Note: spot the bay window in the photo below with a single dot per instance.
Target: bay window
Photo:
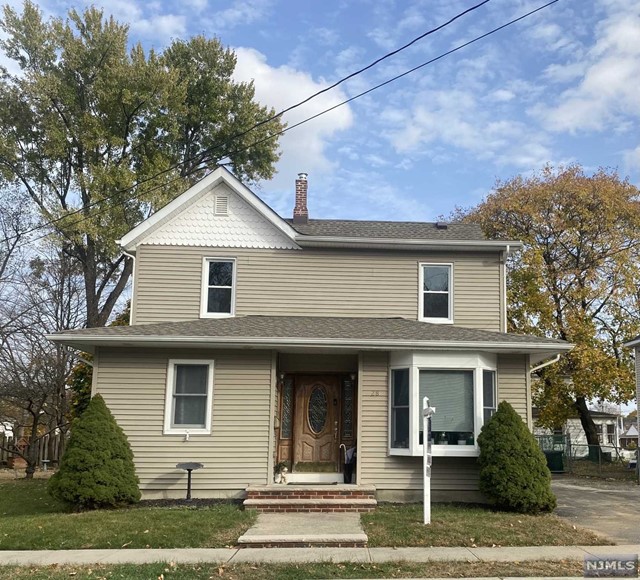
(462, 388)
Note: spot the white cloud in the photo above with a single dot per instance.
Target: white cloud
(632, 159)
(457, 121)
(240, 13)
(607, 92)
(303, 148)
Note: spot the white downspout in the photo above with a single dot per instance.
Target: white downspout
(554, 360)
(133, 283)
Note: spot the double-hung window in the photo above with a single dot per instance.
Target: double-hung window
(436, 293)
(218, 287)
(188, 401)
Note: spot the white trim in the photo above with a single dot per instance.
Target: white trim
(476, 362)
(204, 288)
(168, 401)
(138, 234)
(421, 292)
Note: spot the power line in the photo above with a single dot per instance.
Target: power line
(329, 109)
(202, 154)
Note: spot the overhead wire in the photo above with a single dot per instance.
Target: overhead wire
(304, 121)
(202, 155)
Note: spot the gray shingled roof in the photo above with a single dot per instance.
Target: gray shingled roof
(391, 330)
(389, 230)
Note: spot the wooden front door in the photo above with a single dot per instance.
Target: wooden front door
(316, 426)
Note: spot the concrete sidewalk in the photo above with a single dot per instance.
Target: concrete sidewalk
(302, 555)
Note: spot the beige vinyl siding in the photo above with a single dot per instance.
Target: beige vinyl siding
(513, 384)
(314, 282)
(390, 472)
(133, 384)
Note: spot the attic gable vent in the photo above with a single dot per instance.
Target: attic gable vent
(221, 205)
(441, 225)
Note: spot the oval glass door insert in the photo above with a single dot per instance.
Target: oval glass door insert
(317, 410)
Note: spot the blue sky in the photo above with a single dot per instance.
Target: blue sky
(559, 87)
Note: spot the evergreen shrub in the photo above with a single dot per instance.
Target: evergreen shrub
(513, 468)
(97, 469)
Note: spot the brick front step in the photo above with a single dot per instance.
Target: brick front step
(311, 498)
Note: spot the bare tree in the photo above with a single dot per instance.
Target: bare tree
(34, 373)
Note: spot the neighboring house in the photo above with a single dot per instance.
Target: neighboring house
(257, 340)
(608, 426)
(635, 344)
(629, 436)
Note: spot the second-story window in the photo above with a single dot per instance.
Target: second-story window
(436, 293)
(218, 287)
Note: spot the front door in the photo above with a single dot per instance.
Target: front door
(316, 424)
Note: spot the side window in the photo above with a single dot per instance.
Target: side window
(218, 287)
(436, 304)
(400, 409)
(189, 395)
(489, 396)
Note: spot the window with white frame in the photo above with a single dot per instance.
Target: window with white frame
(400, 408)
(489, 394)
(451, 392)
(436, 290)
(462, 388)
(218, 287)
(188, 401)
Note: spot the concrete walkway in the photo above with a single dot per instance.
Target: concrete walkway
(301, 555)
(323, 529)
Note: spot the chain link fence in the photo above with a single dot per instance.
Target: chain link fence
(601, 461)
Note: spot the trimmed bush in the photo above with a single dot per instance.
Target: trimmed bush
(97, 468)
(513, 469)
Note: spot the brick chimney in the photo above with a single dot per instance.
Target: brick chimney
(300, 212)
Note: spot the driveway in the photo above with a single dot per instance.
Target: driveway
(609, 508)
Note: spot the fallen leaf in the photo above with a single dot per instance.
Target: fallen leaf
(127, 544)
(221, 571)
(146, 532)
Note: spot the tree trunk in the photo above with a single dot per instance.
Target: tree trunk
(587, 421)
(32, 452)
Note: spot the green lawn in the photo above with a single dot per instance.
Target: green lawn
(31, 520)
(297, 572)
(457, 525)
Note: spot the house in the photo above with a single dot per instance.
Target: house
(629, 437)
(256, 340)
(635, 345)
(608, 426)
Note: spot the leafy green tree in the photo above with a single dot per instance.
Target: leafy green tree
(97, 468)
(513, 469)
(576, 279)
(99, 135)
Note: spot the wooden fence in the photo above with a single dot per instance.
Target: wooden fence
(48, 449)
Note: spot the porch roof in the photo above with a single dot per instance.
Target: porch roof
(310, 332)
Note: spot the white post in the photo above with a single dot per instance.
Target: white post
(427, 412)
